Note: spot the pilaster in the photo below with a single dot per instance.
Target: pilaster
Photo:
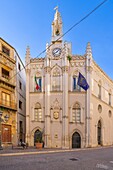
(47, 108)
(65, 136)
(88, 94)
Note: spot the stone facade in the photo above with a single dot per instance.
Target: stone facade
(10, 93)
(66, 115)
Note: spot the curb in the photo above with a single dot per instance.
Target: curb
(50, 151)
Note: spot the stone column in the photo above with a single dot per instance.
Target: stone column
(88, 107)
(65, 133)
(47, 108)
(88, 94)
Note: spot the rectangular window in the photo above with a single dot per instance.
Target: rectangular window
(109, 99)
(6, 99)
(20, 85)
(76, 87)
(99, 94)
(56, 83)
(21, 126)
(19, 67)
(38, 114)
(76, 115)
(74, 83)
(20, 105)
(5, 50)
(5, 73)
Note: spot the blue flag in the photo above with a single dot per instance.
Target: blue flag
(82, 82)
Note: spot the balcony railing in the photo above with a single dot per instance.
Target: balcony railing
(8, 104)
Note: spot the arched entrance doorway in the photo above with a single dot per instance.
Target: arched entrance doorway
(37, 134)
(76, 140)
(99, 133)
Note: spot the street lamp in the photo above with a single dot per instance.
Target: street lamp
(1, 130)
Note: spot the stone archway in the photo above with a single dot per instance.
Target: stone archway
(37, 134)
(99, 133)
(76, 140)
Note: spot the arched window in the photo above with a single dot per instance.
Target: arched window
(76, 87)
(56, 80)
(37, 112)
(109, 94)
(99, 90)
(76, 113)
(110, 113)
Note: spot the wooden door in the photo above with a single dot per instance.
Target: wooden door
(6, 133)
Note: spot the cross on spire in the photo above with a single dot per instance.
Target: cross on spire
(56, 8)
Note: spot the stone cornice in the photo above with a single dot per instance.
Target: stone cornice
(106, 76)
(101, 101)
(77, 92)
(7, 58)
(37, 93)
(78, 57)
(77, 64)
(35, 60)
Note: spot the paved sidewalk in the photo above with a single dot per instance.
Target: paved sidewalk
(32, 150)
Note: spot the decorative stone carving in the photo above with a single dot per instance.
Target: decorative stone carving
(65, 69)
(56, 109)
(56, 115)
(47, 70)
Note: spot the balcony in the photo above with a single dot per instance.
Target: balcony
(6, 84)
(8, 104)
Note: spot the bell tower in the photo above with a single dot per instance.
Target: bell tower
(57, 27)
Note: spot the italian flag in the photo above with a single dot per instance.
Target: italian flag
(37, 86)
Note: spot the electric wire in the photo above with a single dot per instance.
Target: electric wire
(77, 23)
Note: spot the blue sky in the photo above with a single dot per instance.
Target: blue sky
(28, 22)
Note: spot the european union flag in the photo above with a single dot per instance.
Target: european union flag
(82, 82)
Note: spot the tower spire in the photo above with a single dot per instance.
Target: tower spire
(57, 26)
(89, 50)
(27, 57)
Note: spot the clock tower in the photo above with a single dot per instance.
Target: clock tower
(57, 27)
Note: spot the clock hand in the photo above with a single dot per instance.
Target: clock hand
(56, 51)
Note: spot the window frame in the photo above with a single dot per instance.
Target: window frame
(76, 87)
(5, 73)
(56, 80)
(20, 104)
(5, 50)
(37, 113)
(76, 113)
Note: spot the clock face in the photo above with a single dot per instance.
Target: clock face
(56, 52)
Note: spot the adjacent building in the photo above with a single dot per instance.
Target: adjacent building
(12, 92)
(66, 115)
(21, 98)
